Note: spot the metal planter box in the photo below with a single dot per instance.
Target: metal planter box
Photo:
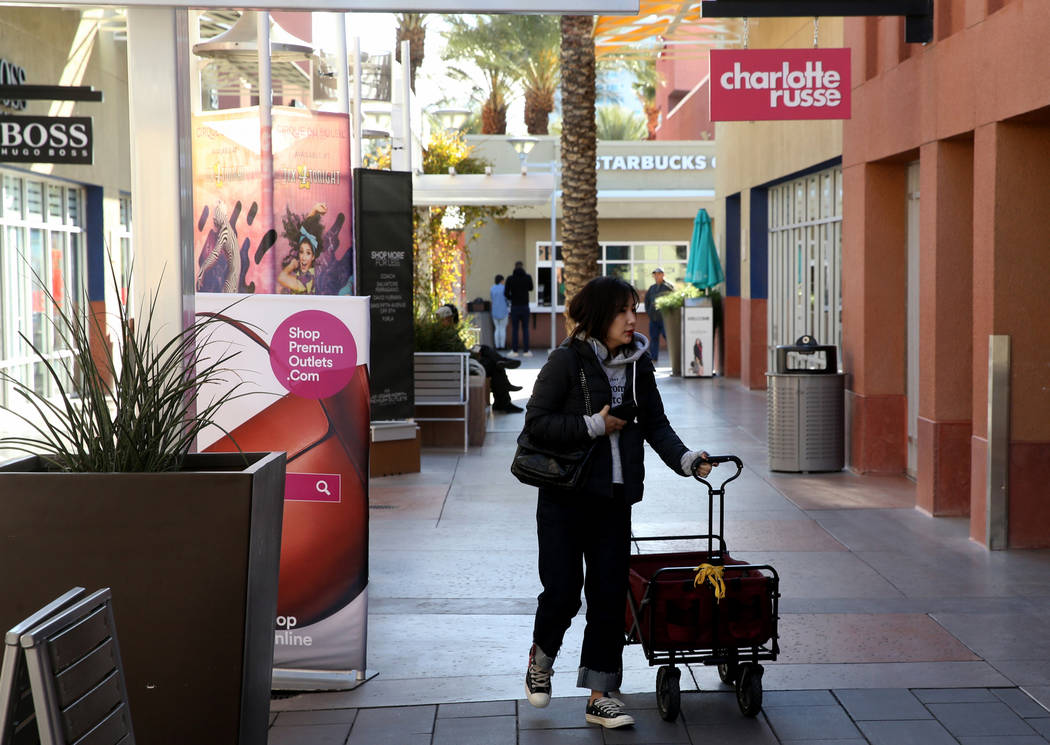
(192, 558)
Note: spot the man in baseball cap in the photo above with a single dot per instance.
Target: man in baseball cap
(656, 319)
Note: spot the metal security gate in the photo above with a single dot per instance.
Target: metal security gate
(805, 260)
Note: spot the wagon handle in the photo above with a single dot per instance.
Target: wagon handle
(715, 460)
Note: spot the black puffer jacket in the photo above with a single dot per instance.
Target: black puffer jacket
(555, 416)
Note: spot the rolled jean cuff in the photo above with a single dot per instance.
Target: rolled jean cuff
(543, 662)
(599, 681)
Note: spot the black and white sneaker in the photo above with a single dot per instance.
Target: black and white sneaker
(608, 712)
(537, 682)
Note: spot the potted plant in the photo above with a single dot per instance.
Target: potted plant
(110, 494)
(670, 305)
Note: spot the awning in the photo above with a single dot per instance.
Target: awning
(673, 27)
(478, 189)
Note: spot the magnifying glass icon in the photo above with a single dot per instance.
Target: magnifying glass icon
(322, 487)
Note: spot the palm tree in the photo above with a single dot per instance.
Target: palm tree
(494, 109)
(619, 123)
(646, 82)
(487, 44)
(533, 61)
(578, 153)
(411, 27)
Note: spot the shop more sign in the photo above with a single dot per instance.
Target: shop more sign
(779, 84)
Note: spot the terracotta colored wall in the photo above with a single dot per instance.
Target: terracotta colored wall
(733, 339)
(945, 331)
(753, 324)
(1011, 263)
(874, 294)
(690, 120)
(979, 94)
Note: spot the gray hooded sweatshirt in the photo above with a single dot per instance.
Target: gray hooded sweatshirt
(615, 367)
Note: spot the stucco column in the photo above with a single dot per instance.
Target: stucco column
(945, 330)
(161, 178)
(874, 324)
(1011, 264)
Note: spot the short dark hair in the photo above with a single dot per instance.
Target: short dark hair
(519, 265)
(593, 308)
(499, 278)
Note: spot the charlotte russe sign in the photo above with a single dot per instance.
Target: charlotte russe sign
(779, 84)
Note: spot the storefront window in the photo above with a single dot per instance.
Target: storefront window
(41, 251)
(805, 255)
(124, 237)
(633, 262)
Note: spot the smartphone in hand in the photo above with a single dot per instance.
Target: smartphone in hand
(625, 411)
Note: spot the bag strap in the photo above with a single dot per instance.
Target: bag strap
(586, 391)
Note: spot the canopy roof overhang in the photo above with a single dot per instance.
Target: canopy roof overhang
(672, 27)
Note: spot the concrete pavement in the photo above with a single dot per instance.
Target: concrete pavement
(895, 627)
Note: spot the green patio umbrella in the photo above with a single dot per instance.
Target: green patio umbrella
(704, 269)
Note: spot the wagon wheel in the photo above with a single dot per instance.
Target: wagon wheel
(668, 693)
(728, 672)
(749, 689)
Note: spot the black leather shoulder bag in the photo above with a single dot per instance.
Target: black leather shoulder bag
(536, 465)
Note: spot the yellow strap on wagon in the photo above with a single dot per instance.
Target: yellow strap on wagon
(712, 574)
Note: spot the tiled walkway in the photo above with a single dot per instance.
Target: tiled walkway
(895, 627)
(881, 716)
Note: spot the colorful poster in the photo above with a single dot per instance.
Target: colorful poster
(779, 84)
(304, 363)
(698, 332)
(232, 219)
(291, 236)
(313, 203)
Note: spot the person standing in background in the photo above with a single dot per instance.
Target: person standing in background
(499, 313)
(656, 319)
(517, 289)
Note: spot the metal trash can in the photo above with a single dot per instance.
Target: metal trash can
(482, 312)
(806, 408)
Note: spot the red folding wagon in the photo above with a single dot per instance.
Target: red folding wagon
(678, 620)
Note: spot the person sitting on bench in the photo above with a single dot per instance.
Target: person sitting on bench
(494, 363)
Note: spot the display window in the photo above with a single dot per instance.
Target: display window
(633, 262)
(41, 251)
(805, 260)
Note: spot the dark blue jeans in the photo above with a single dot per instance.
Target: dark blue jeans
(573, 529)
(656, 330)
(519, 314)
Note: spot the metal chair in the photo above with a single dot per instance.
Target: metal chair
(17, 717)
(76, 675)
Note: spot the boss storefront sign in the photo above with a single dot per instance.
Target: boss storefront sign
(46, 139)
(779, 84)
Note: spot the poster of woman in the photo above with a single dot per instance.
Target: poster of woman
(698, 323)
(291, 236)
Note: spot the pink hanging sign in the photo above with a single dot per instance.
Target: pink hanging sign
(779, 84)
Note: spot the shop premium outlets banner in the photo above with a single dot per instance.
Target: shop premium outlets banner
(779, 84)
(303, 364)
(282, 249)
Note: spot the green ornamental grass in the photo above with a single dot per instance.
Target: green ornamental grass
(137, 410)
